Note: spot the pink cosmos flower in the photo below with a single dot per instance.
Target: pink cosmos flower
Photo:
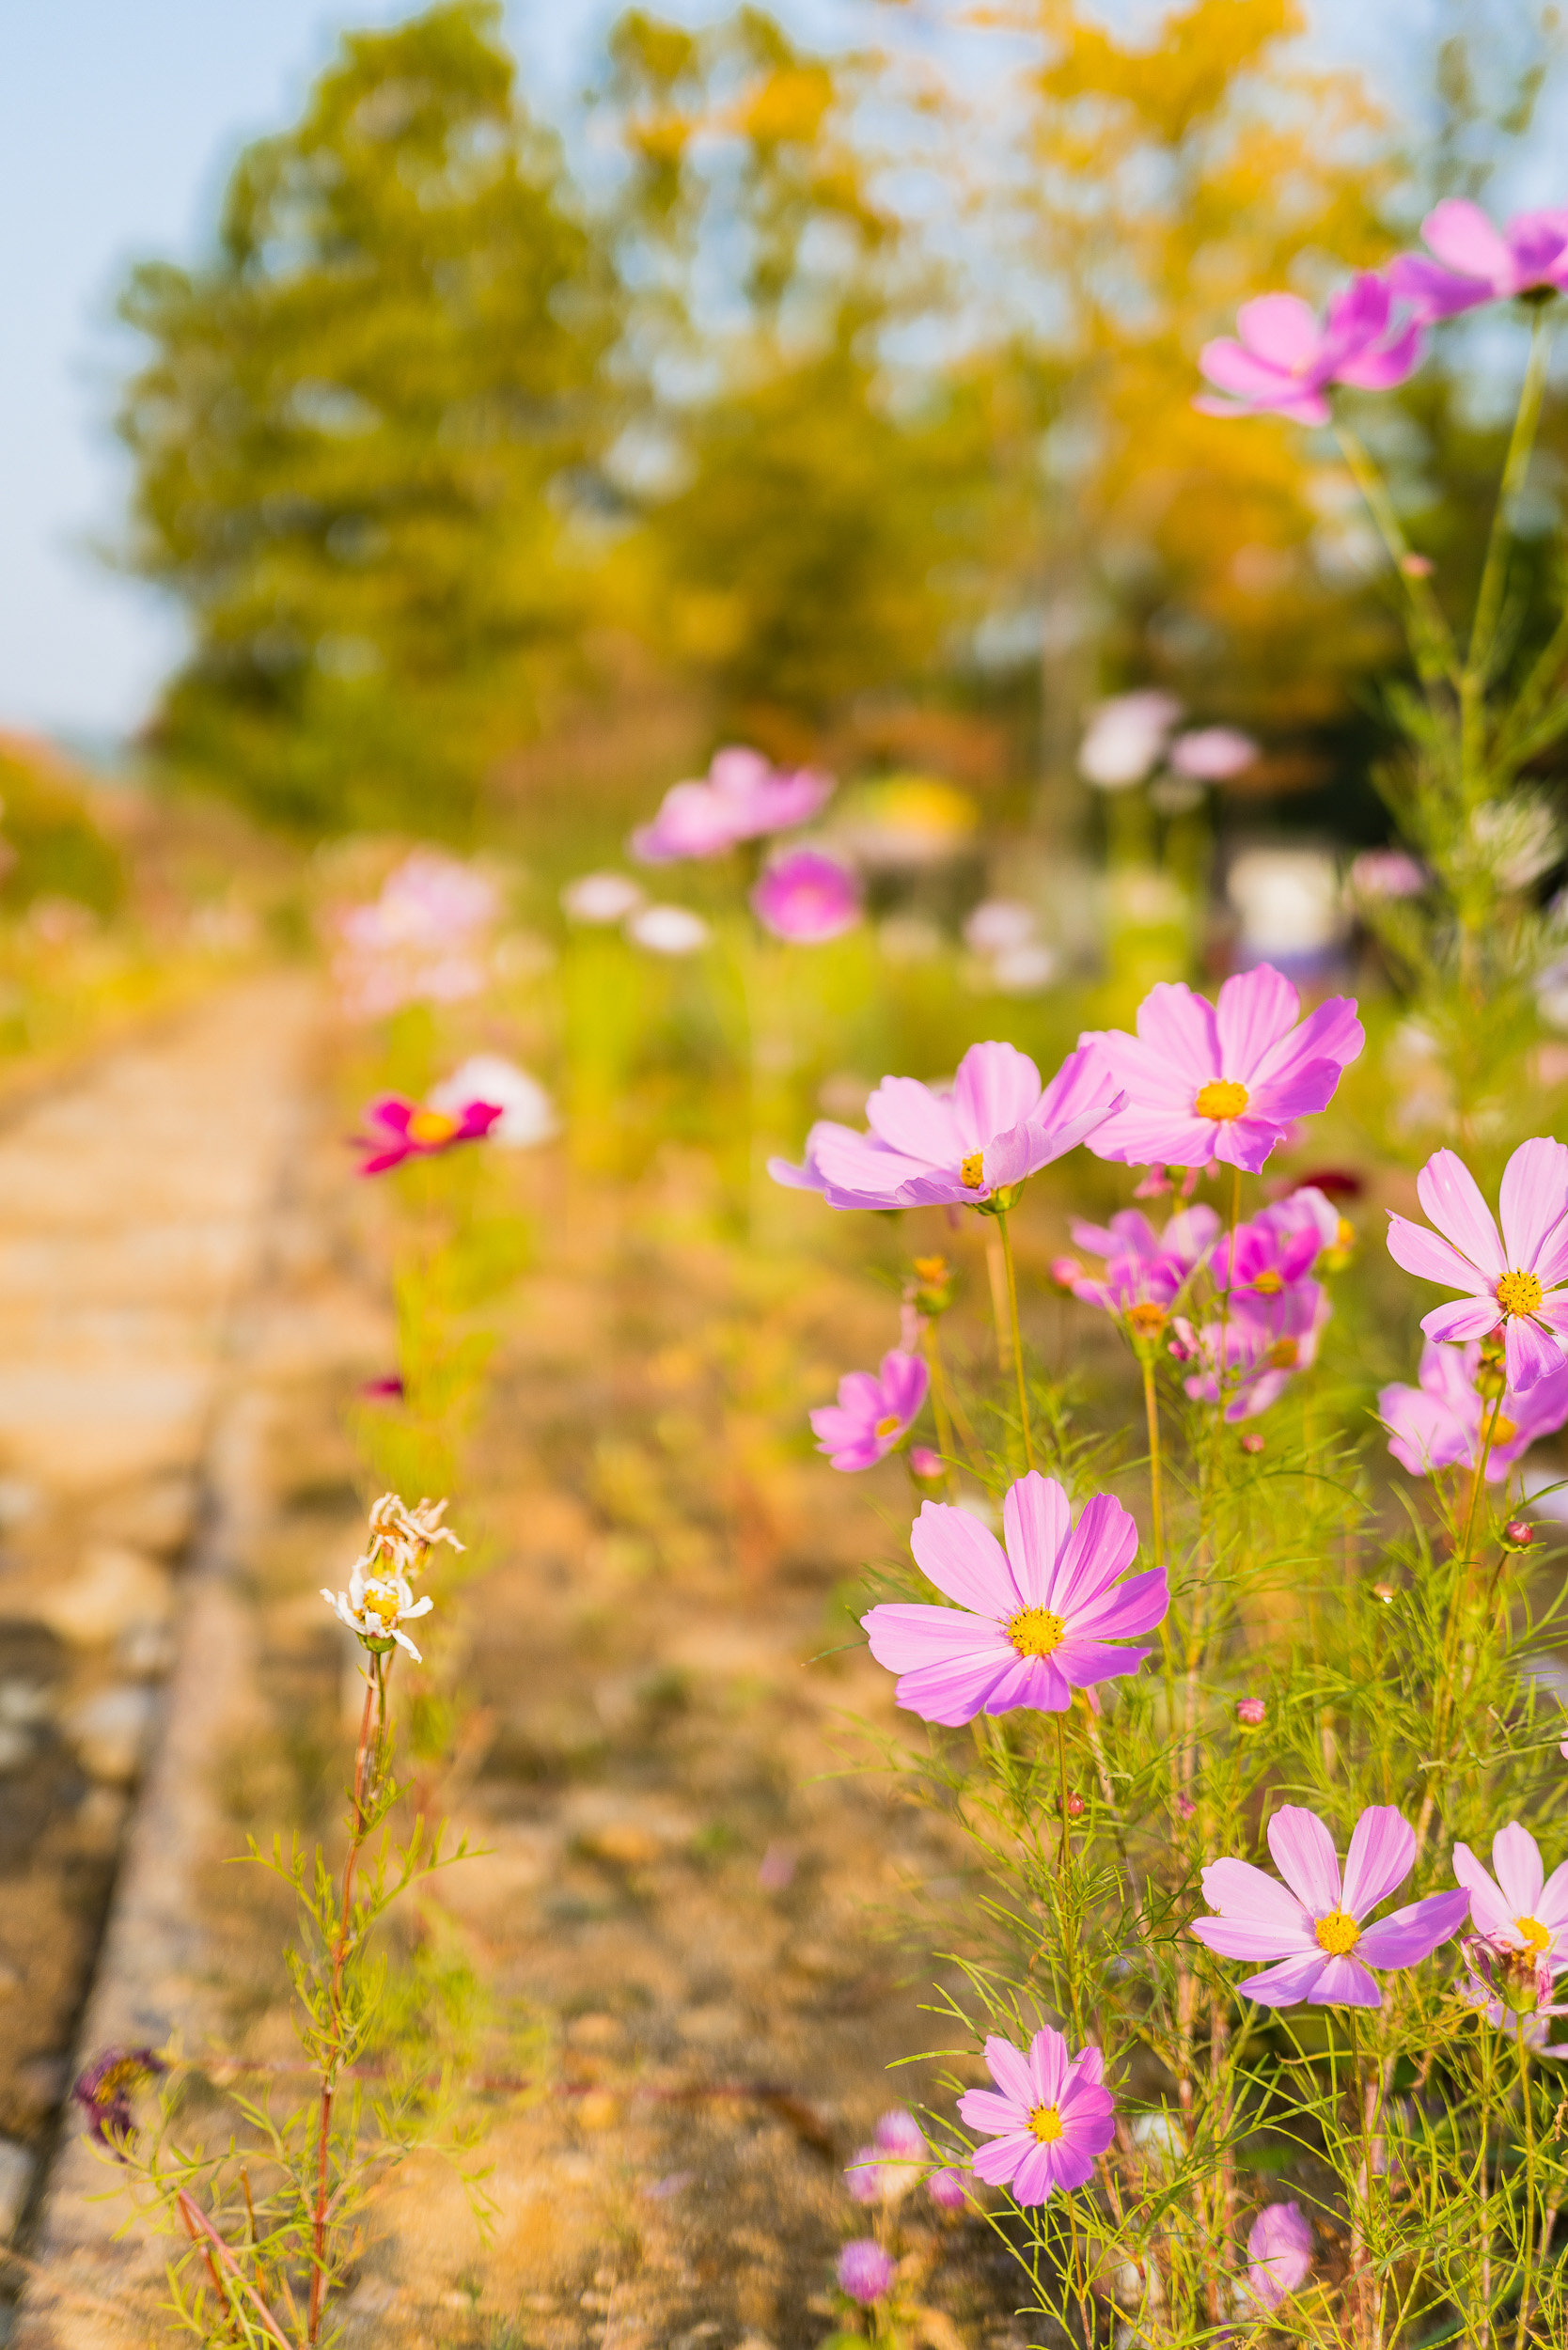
(1047, 2119)
(930, 1147)
(1514, 1995)
(865, 2271)
(1125, 738)
(1278, 2253)
(1477, 263)
(872, 1414)
(805, 897)
(423, 940)
(1213, 754)
(928, 1466)
(1439, 1424)
(1284, 361)
(1276, 1248)
(1388, 873)
(1145, 1270)
(892, 2163)
(1262, 1345)
(1517, 1276)
(401, 1129)
(947, 2190)
(1516, 1907)
(1313, 1922)
(1220, 1081)
(741, 798)
(1032, 1623)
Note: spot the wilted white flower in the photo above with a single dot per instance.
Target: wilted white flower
(601, 896)
(1125, 738)
(376, 1606)
(527, 1114)
(401, 1537)
(1213, 754)
(666, 930)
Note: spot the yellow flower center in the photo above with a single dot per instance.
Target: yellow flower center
(1344, 1236)
(1503, 1431)
(385, 1606)
(1221, 1097)
(971, 1172)
(889, 1426)
(1283, 1354)
(1336, 1934)
(1518, 1292)
(1046, 2122)
(1035, 1631)
(1533, 1934)
(1143, 1321)
(1269, 1283)
(431, 1127)
(932, 1268)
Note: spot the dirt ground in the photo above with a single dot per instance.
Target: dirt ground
(683, 1914)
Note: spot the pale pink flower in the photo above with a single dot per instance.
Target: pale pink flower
(931, 1147)
(807, 898)
(1477, 263)
(742, 797)
(1515, 1906)
(894, 2162)
(1285, 361)
(424, 940)
(872, 1413)
(1213, 754)
(1517, 1276)
(1220, 1081)
(1145, 1270)
(1279, 2254)
(1032, 1623)
(1251, 1356)
(1126, 738)
(1047, 2119)
(1313, 1922)
(1439, 1424)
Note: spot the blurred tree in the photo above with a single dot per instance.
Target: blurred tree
(359, 435)
(817, 510)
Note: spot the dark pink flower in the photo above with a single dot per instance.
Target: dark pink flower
(872, 1414)
(104, 2091)
(931, 1147)
(1278, 2253)
(1478, 262)
(1312, 1924)
(1251, 1712)
(1439, 1424)
(1220, 1081)
(1517, 1276)
(1047, 2119)
(742, 797)
(1284, 361)
(389, 1388)
(1032, 1623)
(1144, 1269)
(1276, 1248)
(947, 2190)
(865, 2271)
(1260, 1349)
(807, 898)
(401, 1129)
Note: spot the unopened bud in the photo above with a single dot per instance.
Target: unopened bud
(1251, 1712)
(1385, 1591)
(1075, 1806)
(1416, 566)
(926, 1464)
(1252, 1442)
(1518, 1534)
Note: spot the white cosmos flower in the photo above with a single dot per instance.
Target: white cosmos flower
(527, 1114)
(376, 1606)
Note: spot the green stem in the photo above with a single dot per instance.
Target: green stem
(1516, 465)
(1431, 637)
(1152, 1414)
(1017, 1339)
(1529, 2182)
(1062, 1764)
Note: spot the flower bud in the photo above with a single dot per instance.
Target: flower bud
(1518, 1534)
(1251, 1712)
(1075, 1806)
(926, 1464)
(1252, 1442)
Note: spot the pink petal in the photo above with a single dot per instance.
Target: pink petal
(1516, 1860)
(1256, 1009)
(1380, 370)
(1072, 2166)
(1552, 1909)
(1451, 1198)
(1124, 1608)
(1528, 1352)
(1410, 1934)
(997, 1088)
(1488, 1909)
(951, 1693)
(999, 2162)
(1088, 2065)
(904, 1380)
(1101, 1546)
(905, 1636)
(1303, 1855)
(1343, 1982)
(1083, 1662)
(965, 1561)
(857, 1169)
(1035, 2176)
(1236, 370)
(1381, 1854)
(983, 2109)
(1009, 2067)
(1465, 240)
(1282, 330)
(1431, 1257)
(1282, 1985)
(1179, 1030)
(1467, 1318)
(914, 1121)
(1035, 1524)
(1257, 1915)
(1430, 291)
(1533, 1199)
(1034, 1683)
(1331, 1033)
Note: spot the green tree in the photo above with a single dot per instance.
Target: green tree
(361, 438)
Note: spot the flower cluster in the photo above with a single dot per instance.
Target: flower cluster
(742, 797)
(380, 1598)
(424, 940)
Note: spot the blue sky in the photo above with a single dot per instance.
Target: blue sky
(119, 120)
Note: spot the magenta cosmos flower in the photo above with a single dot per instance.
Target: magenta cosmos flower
(742, 797)
(807, 897)
(1220, 1081)
(1284, 360)
(1032, 1623)
(1047, 2117)
(931, 1148)
(865, 2271)
(1261, 1344)
(1477, 263)
(1517, 1276)
(1279, 2254)
(1438, 1425)
(1312, 1924)
(1515, 1906)
(1145, 1270)
(872, 1413)
(401, 1129)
